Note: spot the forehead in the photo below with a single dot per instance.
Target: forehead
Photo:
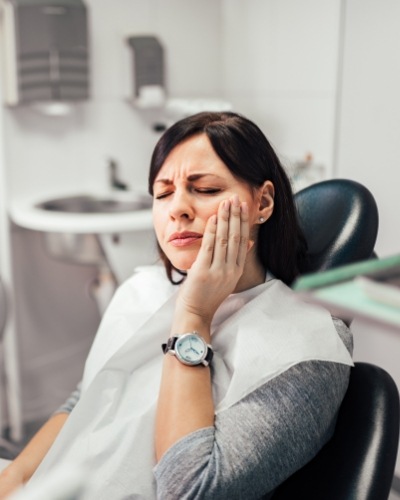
(194, 155)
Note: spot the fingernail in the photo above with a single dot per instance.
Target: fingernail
(226, 204)
(236, 200)
(245, 208)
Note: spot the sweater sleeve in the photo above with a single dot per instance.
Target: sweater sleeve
(71, 402)
(261, 440)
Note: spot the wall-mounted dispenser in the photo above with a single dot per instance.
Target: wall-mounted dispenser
(148, 71)
(46, 56)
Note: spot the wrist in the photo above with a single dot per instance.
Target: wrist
(191, 323)
(198, 315)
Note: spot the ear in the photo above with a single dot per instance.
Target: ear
(266, 203)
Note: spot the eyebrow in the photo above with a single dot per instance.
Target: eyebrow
(190, 178)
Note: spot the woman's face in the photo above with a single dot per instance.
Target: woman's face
(188, 189)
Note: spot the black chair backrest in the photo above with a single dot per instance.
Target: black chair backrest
(339, 218)
(358, 462)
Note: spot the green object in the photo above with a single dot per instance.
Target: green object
(345, 296)
(371, 268)
(350, 298)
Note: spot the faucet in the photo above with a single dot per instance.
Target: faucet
(115, 182)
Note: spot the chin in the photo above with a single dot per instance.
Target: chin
(183, 263)
(182, 266)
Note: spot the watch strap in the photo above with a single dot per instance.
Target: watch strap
(169, 346)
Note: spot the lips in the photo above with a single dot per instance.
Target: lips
(184, 239)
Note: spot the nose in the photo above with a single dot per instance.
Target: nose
(181, 206)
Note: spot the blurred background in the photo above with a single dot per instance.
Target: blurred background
(321, 79)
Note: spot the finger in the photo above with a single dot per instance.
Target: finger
(205, 255)
(234, 231)
(244, 234)
(221, 237)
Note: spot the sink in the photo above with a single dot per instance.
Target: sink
(102, 228)
(84, 213)
(89, 204)
(111, 230)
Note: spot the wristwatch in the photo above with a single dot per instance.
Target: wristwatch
(189, 348)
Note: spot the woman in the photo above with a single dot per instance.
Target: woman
(249, 380)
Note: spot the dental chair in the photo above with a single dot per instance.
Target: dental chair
(358, 462)
(340, 220)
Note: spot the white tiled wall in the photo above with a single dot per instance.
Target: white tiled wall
(369, 123)
(280, 68)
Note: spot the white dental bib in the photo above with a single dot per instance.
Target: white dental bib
(256, 335)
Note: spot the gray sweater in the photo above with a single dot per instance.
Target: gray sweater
(261, 440)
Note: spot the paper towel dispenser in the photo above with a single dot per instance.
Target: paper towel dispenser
(148, 71)
(46, 54)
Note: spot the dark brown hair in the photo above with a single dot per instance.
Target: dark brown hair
(247, 153)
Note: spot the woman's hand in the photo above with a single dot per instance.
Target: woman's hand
(219, 264)
(10, 479)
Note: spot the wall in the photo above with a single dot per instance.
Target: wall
(369, 122)
(280, 67)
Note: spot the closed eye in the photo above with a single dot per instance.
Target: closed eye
(208, 190)
(162, 195)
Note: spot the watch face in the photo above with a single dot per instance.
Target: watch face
(190, 349)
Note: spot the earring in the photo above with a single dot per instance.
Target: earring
(261, 219)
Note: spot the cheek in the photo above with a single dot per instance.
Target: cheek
(253, 210)
(159, 222)
(208, 211)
